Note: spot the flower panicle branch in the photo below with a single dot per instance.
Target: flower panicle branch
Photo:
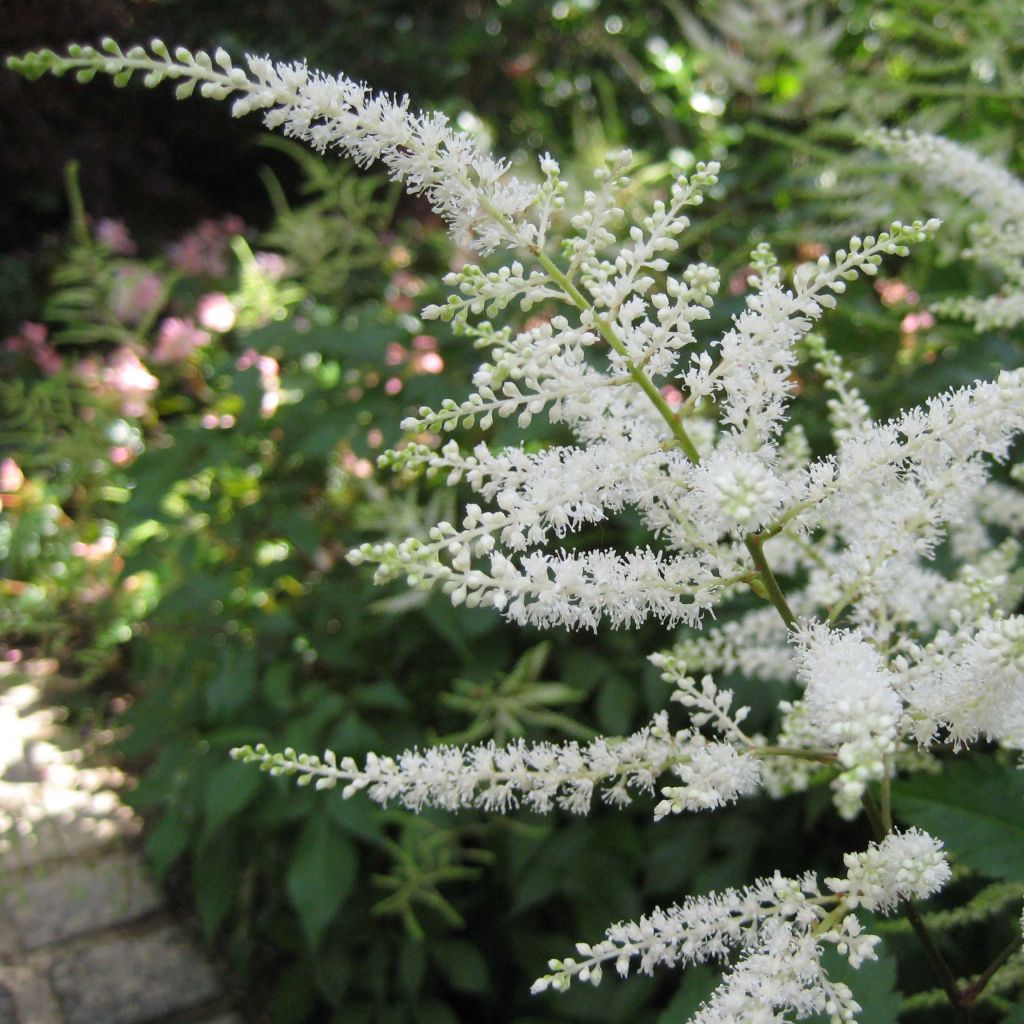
(538, 776)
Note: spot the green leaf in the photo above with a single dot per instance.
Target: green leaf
(320, 876)
(231, 788)
(616, 704)
(166, 841)
(873, 985)
(696, 984)
(976, 807)
(215, 880)
(463, 965)
(235, 682)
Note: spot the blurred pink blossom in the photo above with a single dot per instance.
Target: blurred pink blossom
(402, 290)
(114, 235)
(392, 386)
(919, 321)
(211, 421)
(424, 343)
(673, 396)
(216, 312)
(177, 339)
(31, 341)
(126, 375)
(97, 551)
(135, 295)
(272, 265)
(738, 283)
(427, 362)
(361, 468)
(203, 251)
(122, 454)
(395, 354)
(11, 476)
(892, 290)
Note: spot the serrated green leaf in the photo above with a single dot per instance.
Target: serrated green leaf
(976, 807)
(321, 875)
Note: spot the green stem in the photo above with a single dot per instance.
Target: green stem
(945, 975)
(825, 756)
(970, 994)
(887, 795)
(639, 377)
(79, 222)
(913, 916)
(772, 590)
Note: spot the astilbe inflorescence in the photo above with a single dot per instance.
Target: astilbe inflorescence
(693, 436)
(992, 198)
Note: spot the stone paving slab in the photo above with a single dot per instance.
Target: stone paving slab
(76, 897)
(132, 979)
(31, 999)
(84, 935)
(8, 1011)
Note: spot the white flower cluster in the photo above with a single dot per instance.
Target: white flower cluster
(852, 706)
(780, 926)
(540, 776)
(905, 865)
(995, 199)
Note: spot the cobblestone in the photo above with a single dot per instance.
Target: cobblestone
(69, 899)
(85, 937)
(133, 979)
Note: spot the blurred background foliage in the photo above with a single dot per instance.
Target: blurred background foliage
(212, 334)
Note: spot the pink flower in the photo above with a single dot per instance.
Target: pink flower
(98, 551)
(126, 375)
(136, 294)
(914, 322)
(892, 291)
(427, 362)
(32, 342)
(122, 455)
(271, 265)
(177, 339)
(216, 312)
(11, 476)
(114, 235)
(202, 252)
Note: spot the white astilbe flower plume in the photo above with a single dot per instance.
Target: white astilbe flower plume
(905, 865)
(852, 702)
(994, 197)
(976, 687)
(539, 776)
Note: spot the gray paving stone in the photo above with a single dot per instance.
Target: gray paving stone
(10, 948)
(132, 980)
(8, 1014)
(73, 898)
(27, 997)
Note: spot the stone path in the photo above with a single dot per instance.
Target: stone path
(85, 935)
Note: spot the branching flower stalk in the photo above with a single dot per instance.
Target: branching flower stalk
(693, 435)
